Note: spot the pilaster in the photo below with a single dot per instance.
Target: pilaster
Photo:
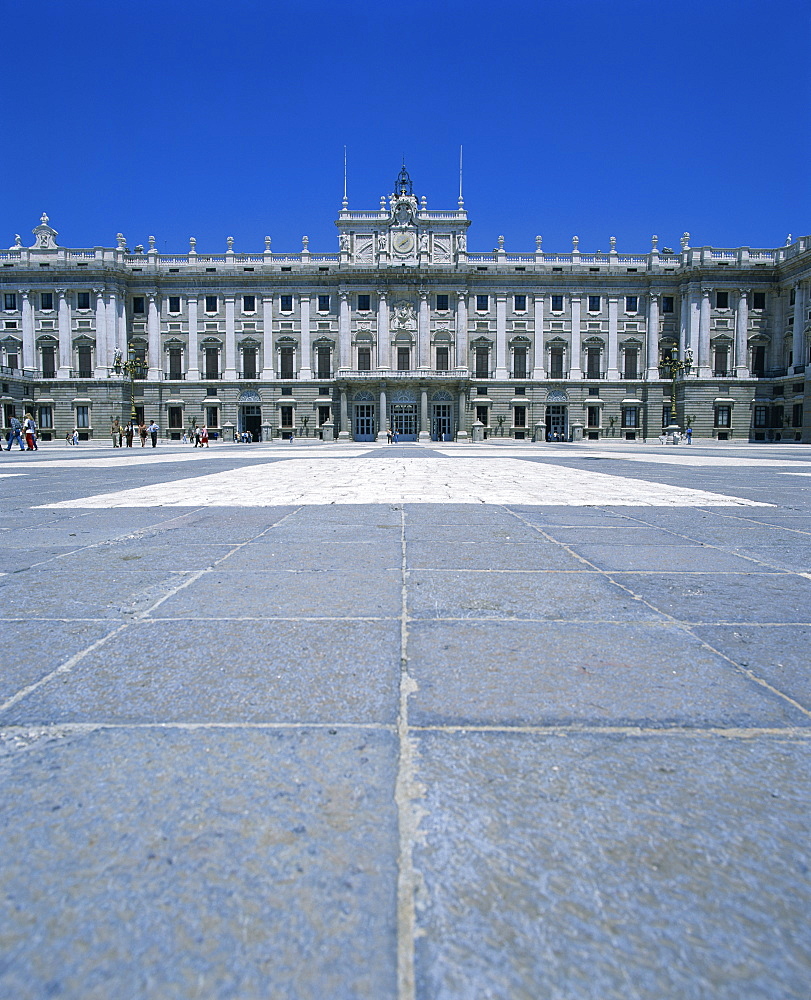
(576, 305)
(741, 334)
(652, 338)
(230, 370)
(306, 369)
(65, 346)
(501, 335)
(613, 339)
(100, 369)
(193, 371)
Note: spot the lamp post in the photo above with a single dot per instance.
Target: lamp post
(132, 369)
(675, 368)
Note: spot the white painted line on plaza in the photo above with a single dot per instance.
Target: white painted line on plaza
(147, 456)
(393, 479)
(672, 457)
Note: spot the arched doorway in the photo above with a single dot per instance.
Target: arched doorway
(442, 416)
(249, 414)
(364, 417)
(404, 415)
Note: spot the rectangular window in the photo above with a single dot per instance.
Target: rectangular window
(249, 362)
(286, 359)
(287, 416)
(364, 303)
(722, 300)
(364, 359)
(593, 362)
(667, 303)
(323, 303)
(592, 416)
(85, 362)
(175, 417)
(82, 416)
(249, 303)
(556, 362)
(83, 300)
(286, 303)
(796, 415)
(482, 362)
(46, 417)
(174, 303)
(761, 416)
(594, 303)
(758, 300)
(46, 301)
(323, 415)
(139, 305)
(442, 303)
(520, 303)
(792, 296)
(482, 303)
(323, 359)
(10, 301)
(211, 303)
(720, 362)
(631, 360)
(631, 303)
(442, 359)
(519, 416)
(482, 415)
(403, 359)
(175, 363)
(519, 362)
(557, 303)
(666, 416)
(48, 362)
(213, 416)
(722, 416)
(212, 362)
(630, 416)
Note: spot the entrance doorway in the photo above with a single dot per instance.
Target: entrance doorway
(364, 421)
(250, 419)
(404, 420)
(441, 422)
(556, 423)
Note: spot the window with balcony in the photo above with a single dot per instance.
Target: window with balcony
(556, 362)
(212, 362)
(48, 361)
(403, 359)
(249, 362)
(323, 359)
(175, 363)
(442, 358)
(85, 358)
(482, 362)
(720, 367)
(593, 362)
(519, 362)
(364, 359)
(286, 362)
(631, 363)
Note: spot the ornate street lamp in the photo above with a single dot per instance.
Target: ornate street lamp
(675, 368)
(132, 369)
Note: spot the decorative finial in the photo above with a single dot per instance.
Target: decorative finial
(192, 244)
(538, 243)
(654, 244)
(151, 244)
(685, 242)
(383, 203)
(267, 244)
(122, 243)
(575, 244)
(230, 241)
(612, 241)
(501, 244)
(305, 243)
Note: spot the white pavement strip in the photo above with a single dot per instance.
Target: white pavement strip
(312, 482)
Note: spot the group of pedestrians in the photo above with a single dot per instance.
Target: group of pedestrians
(126, 434)
(25, 434)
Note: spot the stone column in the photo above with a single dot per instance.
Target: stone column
(694, 324)
(381, 416)
(704, 369)
(153, 339)
(268, 357)
(461, 429)
(425, 431)
(306, 370)
(344, 334)
(652, 338)
(462, 359)
(575, 358)
(28, 360)
(193, 364)
(798, 351)
(423, 333)
(613, 371)
(112, 325)
(343, 434)
(742, 334)
(382, 329)
(684, 324)
(230, 370)
(502, 371)
(122, 339)
(538, 370)
(65, 346)
(100, 370)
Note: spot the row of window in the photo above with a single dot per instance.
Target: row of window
(364, 302)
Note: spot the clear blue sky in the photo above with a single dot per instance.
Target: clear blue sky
(215, 119)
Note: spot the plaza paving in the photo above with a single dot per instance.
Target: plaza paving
(406, 722)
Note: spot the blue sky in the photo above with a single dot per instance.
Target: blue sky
(597, 119)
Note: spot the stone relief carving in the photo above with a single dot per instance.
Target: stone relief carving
(403, 317)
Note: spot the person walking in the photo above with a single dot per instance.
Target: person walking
(30, 431)
(129, 433)
(142, 434)
(15, 434)
(689, 433)
(76, 436)
(204, 437)
(115, 432)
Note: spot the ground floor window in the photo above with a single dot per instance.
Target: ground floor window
(176, 416)
(630, 416)
(212, 416)
(797, 415)
(481, 415)
(723, 416)
(287, 416)
(520, 416)
(82, 416)
(592, 416)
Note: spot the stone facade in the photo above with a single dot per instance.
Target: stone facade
(405, 328)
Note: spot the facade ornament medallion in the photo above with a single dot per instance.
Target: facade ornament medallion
(404, 319)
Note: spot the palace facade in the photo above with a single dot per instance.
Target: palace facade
(406, 328)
